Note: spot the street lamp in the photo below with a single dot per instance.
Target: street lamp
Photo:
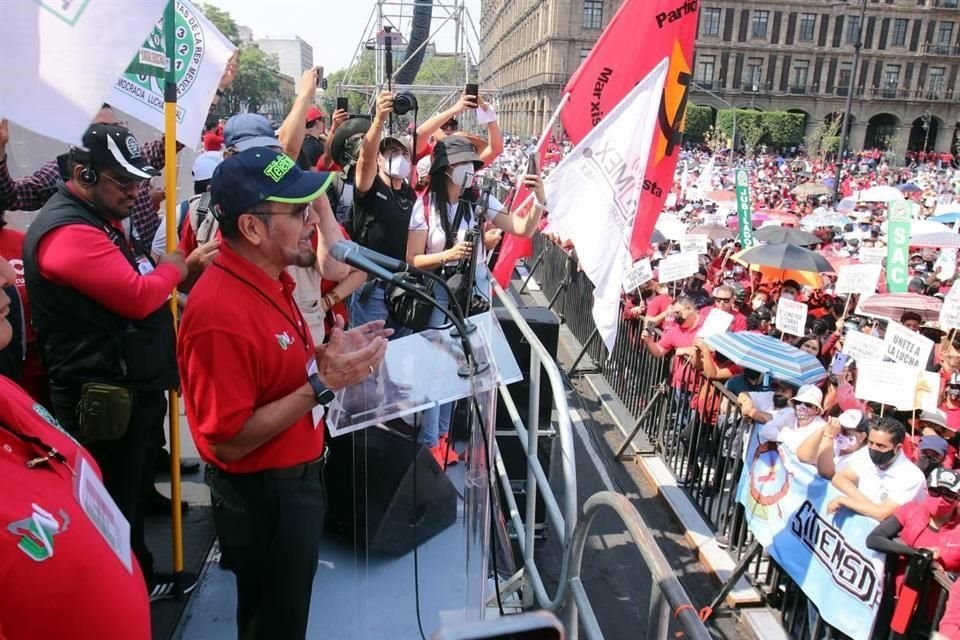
(926, 129)
(733, 143)
(845, 129)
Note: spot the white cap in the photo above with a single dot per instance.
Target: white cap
(850, 419)
(423, 166)
(809, 393)
(205, 163)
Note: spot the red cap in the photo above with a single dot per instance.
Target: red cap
(314, 114)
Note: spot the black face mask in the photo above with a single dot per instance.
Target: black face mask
(780, 402)
(926, 465)
(882, 458)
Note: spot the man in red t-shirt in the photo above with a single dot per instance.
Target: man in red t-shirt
(254, 386)
(58, 574)
(723, 300)
(678, 338)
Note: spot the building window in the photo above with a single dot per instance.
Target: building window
(891, 80)
(752, 74)
(843, 80)
(808, 22)
(945, 33)
(592, 14)
(935, 83)
(706, 67)
(710, 22)
(853, 29)
(801, 70)
(899, 38)
(584, 53)
(760, 19)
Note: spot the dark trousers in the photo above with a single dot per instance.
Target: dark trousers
(127, 463)
(269, 530)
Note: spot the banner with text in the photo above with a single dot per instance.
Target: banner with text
(791, 317)
(744, 209)
(201, 57)
(858, 278)
(898, 245)
(785, 502)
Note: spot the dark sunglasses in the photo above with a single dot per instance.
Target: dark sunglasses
(808, 405)
(723, 299)
(939, 492)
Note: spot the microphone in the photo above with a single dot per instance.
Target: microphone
(484, 202)
(341, 249)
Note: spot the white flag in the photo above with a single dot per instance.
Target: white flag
(593, 194)
(202, 53)
(61, 57)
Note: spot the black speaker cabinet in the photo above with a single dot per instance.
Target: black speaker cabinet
(370, 491)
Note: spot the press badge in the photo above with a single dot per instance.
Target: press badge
(103, 512)
(318, 411)
(144, 265)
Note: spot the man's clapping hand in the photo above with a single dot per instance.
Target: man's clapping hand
(350, 356)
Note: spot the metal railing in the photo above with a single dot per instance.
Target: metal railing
(570, 600)
(694, 425)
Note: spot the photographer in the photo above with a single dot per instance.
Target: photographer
(436, 241)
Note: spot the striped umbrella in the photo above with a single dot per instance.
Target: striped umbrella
(769, 355)
(894, 305)
(941, 240)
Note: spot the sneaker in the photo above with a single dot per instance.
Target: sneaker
(447, 448)
(164, 585)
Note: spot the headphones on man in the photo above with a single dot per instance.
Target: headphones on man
(88, 175)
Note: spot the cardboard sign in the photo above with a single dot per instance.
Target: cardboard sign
(639, 273)
(906, 347)
(863, 347)
(946, 264)
(791, 317)
(694, 243)
(858, 278)
(950, 311)
(717, 322)
(678, 267)
(872, 255)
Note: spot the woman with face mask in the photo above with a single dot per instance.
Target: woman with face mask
(930, 524)
(435, 241)
(836, 445)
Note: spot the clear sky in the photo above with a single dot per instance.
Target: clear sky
(333, 27)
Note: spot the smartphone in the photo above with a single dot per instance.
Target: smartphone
(532, 169)
(472, 90)
(320, 79)
(839, 362)
(344, 104)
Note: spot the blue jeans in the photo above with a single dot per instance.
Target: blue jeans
(435, 422)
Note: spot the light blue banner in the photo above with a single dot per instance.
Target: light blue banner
(786, 509)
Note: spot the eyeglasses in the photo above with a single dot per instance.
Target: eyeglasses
(723, 299)
(123, 183)
(302, 211)
(808, 405)
(940, 492)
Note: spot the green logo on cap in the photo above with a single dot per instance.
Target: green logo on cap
(280, 166)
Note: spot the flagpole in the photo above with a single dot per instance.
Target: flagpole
(170, 200)
(540, 141)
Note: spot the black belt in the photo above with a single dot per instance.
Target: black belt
(287, 473)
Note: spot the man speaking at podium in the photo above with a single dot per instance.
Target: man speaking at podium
(255, 385)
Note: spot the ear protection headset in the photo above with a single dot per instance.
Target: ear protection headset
(88, 175)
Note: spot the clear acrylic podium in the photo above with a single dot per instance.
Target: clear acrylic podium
(393, 487)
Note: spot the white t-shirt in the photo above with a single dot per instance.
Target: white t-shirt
(843, 460)
(436, 240)
(901, 482)
(794, 435)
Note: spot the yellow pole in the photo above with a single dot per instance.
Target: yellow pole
(170, 219)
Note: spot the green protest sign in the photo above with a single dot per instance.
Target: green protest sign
(744, 212)
(899, 214)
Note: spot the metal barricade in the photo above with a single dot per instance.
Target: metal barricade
(695, 426)
(667, 595)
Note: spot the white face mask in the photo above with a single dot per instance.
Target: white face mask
(757, 303)
(787, 296)
(398, 167)
(461, 175)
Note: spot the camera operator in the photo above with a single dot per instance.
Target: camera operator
(436, 242)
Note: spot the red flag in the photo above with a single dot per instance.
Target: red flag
(515, 247)
(666, 28)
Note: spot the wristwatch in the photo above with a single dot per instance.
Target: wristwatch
(322, 394)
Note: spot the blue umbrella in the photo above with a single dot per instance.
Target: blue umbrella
(909, 187)
(769, 355)
(829, 182)
(947, 218)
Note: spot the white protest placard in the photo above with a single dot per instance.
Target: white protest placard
(863, 347)
(716, 322)
(639, 273)
(678, 267)
(872, 255)
(950, 311)
(946, 264)
(694, 243)
(886, 383)
(906, 347)
(858, 278)
(927, 393)
(791, 317)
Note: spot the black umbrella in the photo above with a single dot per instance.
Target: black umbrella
(787, 257)
(786, 235)
(657, 237)
(713, 232)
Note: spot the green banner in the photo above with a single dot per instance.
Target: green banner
(150, 60)
(744, 211)
(899, 214)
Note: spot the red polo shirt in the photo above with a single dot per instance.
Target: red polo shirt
(243, 344)
(59, 579)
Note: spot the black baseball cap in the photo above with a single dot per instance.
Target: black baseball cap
(113, 147)
(454, 150)
(260, 174)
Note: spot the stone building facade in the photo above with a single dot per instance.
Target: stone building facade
(765, 54)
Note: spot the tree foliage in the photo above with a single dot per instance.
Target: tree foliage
(784, 128)
(222, 21)
(824, 137)
(696, 122)
(778, 128)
